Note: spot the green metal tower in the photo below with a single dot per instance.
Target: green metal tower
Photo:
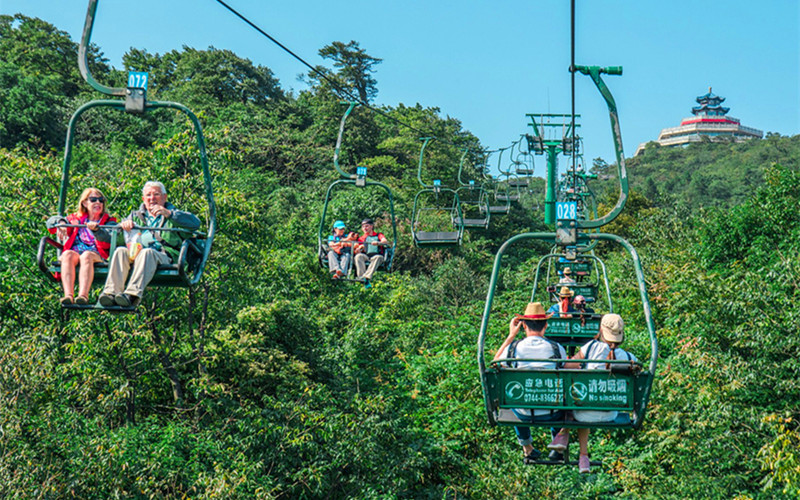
(539, 143)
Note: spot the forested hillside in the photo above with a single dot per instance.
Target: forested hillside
(270, 380)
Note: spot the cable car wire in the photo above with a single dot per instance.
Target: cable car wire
(333, 84)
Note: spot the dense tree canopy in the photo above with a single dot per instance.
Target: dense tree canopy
(269, 380)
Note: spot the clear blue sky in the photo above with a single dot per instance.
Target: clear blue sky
(489, 63)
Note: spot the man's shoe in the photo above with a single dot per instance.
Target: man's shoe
(584, 465)
(559, 443)
(82, 300)
(66, 300)
(127, 300)
(555, 456)
(106, 300)
(532, 457)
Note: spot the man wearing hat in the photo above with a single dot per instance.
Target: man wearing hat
(371, 247)
(564, 305)
(604, 347)
(566, 277)
(533, 346)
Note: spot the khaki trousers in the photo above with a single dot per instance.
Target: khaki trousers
(144, 268)
(361, 265)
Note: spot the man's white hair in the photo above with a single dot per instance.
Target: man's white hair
(157, 184)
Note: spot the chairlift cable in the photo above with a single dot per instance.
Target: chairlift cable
(347, 93)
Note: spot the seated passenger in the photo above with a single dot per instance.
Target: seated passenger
(579, 304)
(157, 247)
(605, 346)
(533, 346)
(372, 248)
(340, 252)
(564, 305)
(85, 245)
(566, 277)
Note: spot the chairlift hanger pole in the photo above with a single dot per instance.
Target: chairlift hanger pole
(337, 150)
(461, 167)
(594, 73)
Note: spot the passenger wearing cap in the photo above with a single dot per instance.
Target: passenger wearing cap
(340, 250)
(533, 346)
(371, 248)
(564, 305)
(566, 277)
(604, 347)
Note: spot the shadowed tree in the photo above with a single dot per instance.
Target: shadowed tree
(355, 68)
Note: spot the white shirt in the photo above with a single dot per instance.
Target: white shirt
(599, 350)
(535, 347)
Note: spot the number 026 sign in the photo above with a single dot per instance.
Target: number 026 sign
(566, 210)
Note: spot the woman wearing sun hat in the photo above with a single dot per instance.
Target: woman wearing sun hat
(604, 347)
(564, 305)
(533, 346)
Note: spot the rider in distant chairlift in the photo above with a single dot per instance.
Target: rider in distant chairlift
(369, 249)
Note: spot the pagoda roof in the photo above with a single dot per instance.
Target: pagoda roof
(706, 108)
(710, 98)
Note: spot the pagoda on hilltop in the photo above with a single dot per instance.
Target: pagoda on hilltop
(710, 122)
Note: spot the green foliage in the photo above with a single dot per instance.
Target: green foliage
(719, 175)
(269, 380)
(355, 68)
(760, 230)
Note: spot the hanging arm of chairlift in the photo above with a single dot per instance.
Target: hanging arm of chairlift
(338, 148)
(83, 55)
(594, 72)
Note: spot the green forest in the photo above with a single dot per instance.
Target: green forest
(270, 380)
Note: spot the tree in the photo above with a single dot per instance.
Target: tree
(37, 48)
(30, 109)
(355, 68)
(207, 78)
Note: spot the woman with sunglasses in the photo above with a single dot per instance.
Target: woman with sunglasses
(83, 245)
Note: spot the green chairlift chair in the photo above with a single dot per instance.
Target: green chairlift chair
(354, 181)
(625, 386)
(196, 248)
(437, 203)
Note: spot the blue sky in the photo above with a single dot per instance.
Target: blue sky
(489, 63)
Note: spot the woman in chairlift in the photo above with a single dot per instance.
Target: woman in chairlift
(82, 245)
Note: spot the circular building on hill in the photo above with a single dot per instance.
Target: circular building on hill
(710, 121)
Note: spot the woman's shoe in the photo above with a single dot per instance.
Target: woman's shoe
(82, 300)
(584, 465)
(66, 300)
(559, 442)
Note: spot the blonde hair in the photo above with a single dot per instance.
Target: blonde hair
(85, 196)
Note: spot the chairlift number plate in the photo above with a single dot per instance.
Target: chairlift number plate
(137, 79)
(566, 210)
